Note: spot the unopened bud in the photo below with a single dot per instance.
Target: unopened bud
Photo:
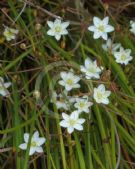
(38, 26)
(23, 46)
(36, 94)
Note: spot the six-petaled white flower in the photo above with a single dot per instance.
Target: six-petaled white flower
(35, 145)
(69, 80)
(72, 122)
(91, 69)
(3, 87)
(132, 29)
(10, 33)
(101, 94)
(57, 28)
(123, 56)
(83, 105)
(101, 28)
(109, 46)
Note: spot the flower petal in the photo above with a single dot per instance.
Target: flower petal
(91, 28)
(26, 137)
(65, 116)
(57, 36)
(23, 146)
(39, 149)
(96, 21)
(6, 85)
(51, 32)
(70, 129)
(64, 123)
(106, 20)
(109, 28)
(32, 150)
(65, 24)
(41, 141)
(50, 24)
(35, 136)
(78, 127)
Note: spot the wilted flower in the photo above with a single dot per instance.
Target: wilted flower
(101, 28)
(57, 28)
(101, 95)
(111, 47)
(69, 80)
(91, 69)
(35, 145)
(72, 121)
(132, 29)
(123, 56)
(10, 33)
(3, 87)
(59, 101)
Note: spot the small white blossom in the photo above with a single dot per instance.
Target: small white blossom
(3, 87)
(91, 69)
(10, 33)
(83, 104)
(101, 28)
(57, 28)
(111, 47)
(123, 56)
(35, 145)
(132, 29)
(69, 80)
(72, 122)
(101, 95)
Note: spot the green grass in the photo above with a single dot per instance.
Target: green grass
(108, 138)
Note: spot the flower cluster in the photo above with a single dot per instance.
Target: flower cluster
(69, 81)
(78, 104)
(122, 56)
(75, 104)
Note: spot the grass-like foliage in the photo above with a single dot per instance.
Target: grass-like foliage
(67, 84)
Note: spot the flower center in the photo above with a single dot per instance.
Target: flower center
(9, 33)
(58, 29)
(33, 144)
(101, 28)
(99, 95)
(72, 122)
(82, 104)
(92, 70)
(123, 57)
(70, 81)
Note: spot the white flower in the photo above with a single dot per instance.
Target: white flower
(123, 56)
(83, 104)
(91, 69)
(101, 28)
(10, 33)
(72, 121)
(3, 87)
(132, 24)
(69, 80)
(57, 28)
(101, 95)
(35, 145)
(111, 47)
